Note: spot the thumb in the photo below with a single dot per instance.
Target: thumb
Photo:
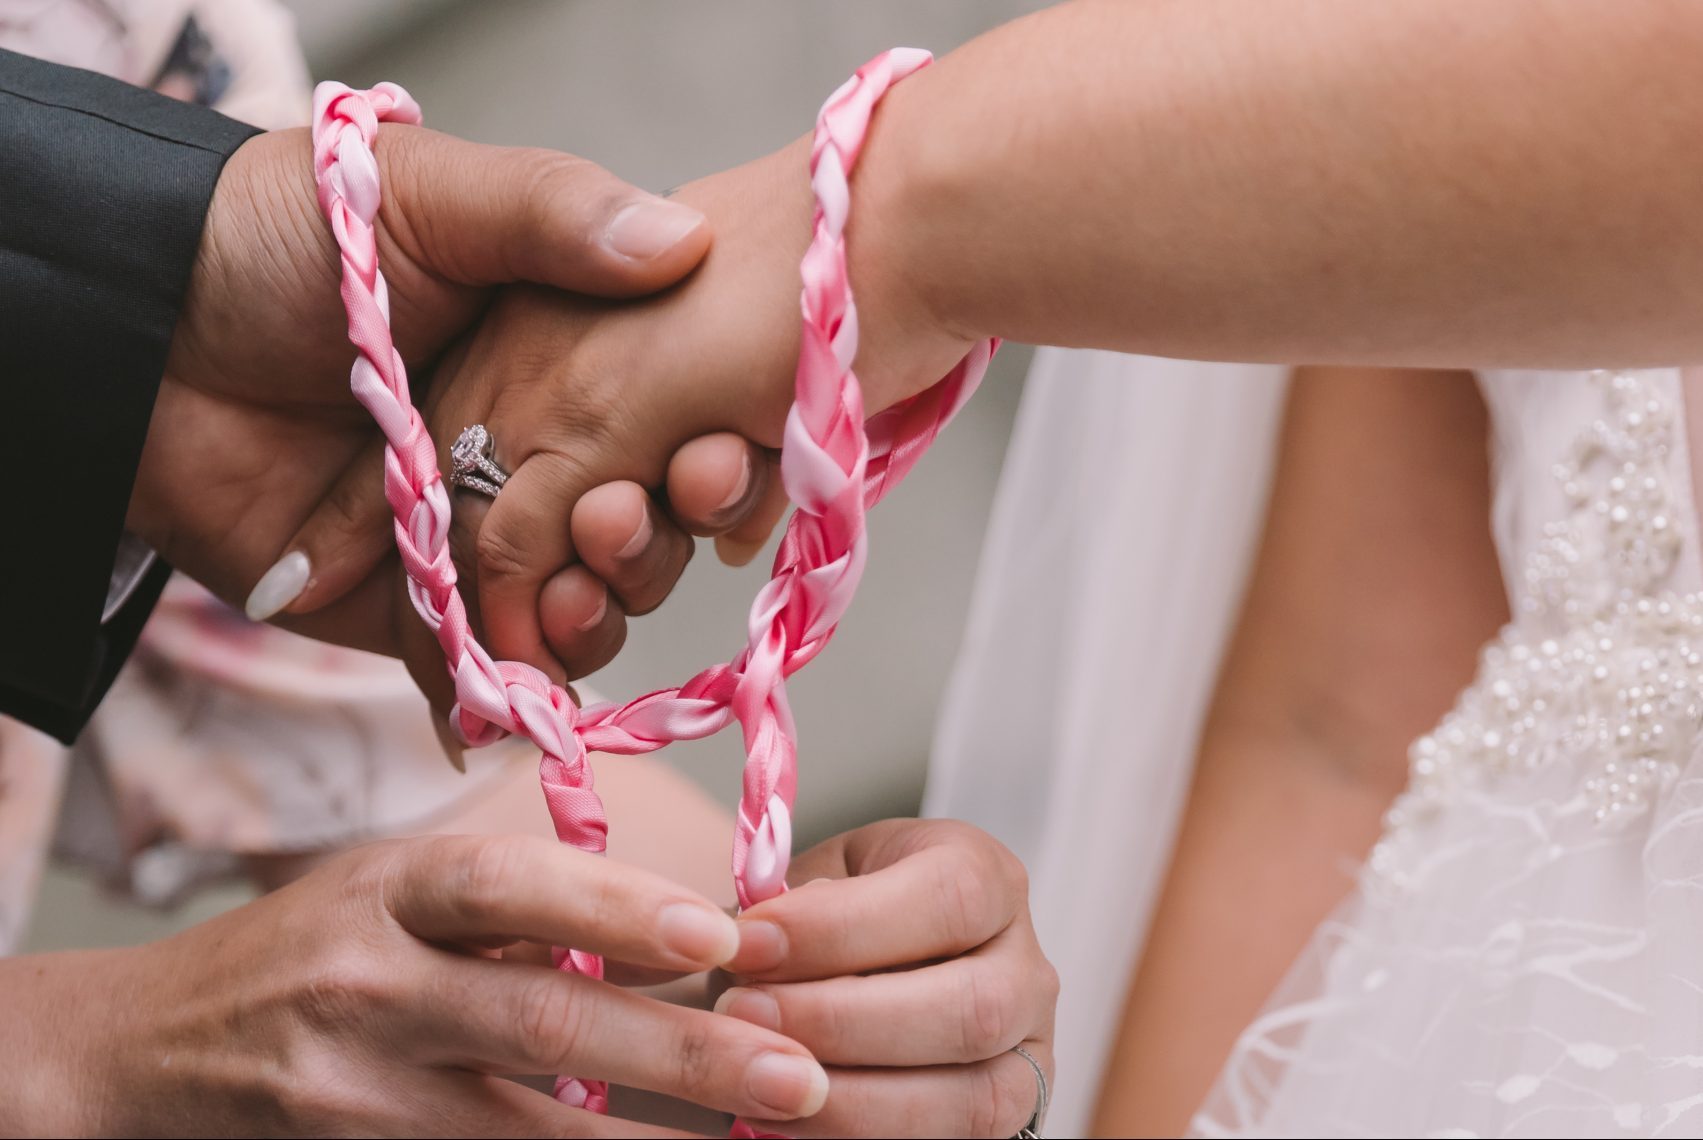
(488, 215)
(341, 543)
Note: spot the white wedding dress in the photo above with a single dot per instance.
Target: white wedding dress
(1524, 953)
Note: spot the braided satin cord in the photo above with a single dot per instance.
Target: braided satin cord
(833, 464)
(492, 699)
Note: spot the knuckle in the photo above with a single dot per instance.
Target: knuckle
(1011, 869)
(595, 422)
(963, 899)
(342, 989)
(372, 877)
(840, 926)
(349, 510)
(989, 1009)
(498, 555)
(301, 1100)
(699, 1067)
(406, 159)
(605, 898)
(990, 859)
(823, 1020)
(487, 875)
(555, 185)
(366, 871)
(316, 1092)
(993, 880)
(996, 1105)
(551, 1023)
(383, 857)
(1048, 979)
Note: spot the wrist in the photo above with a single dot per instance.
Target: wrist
(46, 1049)
(909, 335)
(746, 292)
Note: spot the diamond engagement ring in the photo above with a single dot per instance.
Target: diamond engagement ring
(471, 465)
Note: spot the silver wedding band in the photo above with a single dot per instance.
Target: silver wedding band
(1032, 1130)
(471, 465)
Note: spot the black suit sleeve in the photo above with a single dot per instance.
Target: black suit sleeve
(103, 190)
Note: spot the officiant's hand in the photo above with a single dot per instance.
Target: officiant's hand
(374, 996)
(908, 965)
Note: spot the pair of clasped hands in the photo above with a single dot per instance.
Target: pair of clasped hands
(632, 357)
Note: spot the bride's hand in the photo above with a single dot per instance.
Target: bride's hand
(908, 965)
(578, 394)
(369, 998)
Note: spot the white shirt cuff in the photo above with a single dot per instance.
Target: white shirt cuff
(135, 559)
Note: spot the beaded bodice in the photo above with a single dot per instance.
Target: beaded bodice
(1602, 665)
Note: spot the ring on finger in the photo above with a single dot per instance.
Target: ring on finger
(471, 462)
(1032, 1129)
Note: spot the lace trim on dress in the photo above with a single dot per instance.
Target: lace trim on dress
(1602, 662)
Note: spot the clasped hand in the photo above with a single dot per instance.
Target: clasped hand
(911, 973)
(255, 433)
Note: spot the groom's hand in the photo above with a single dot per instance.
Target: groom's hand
(254, 421)
(577, 394)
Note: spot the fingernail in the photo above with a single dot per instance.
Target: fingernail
(279, 586)
(596, 617)
(641, 538)
(787, 1085)
(650, 227)
(698, 933)
(762, 946)
(739, 488)
(732, 552)
(453, 749)
(750, 1005)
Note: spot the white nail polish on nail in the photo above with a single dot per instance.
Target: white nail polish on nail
(279, 586)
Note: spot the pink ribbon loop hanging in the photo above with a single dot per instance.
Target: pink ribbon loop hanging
(835, 467)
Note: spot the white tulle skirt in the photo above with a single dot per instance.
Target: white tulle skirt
(1535, 975)
(1524, 954)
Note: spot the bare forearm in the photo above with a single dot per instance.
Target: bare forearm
(1413, 181)
(1375, 584)
(1268, 846)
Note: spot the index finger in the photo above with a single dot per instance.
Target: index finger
(936, 901)
(496, 890)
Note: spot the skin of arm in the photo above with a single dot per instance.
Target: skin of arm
(1417, 182)
(1437, 183)
(1423, 182)
(1374, 587)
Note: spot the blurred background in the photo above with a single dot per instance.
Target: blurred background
(662, 92)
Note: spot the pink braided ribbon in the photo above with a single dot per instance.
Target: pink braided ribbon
(835, 466)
